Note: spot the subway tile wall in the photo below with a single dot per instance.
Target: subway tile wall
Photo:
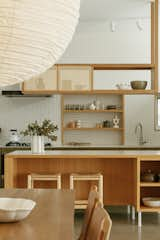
(17, 112)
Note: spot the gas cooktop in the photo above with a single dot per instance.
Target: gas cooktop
(23, 144)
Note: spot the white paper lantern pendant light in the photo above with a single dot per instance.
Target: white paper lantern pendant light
(33, 36)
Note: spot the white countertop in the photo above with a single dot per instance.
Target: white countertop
(87, 153)
(147, 146)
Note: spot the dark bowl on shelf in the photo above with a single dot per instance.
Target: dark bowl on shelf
(139, 85)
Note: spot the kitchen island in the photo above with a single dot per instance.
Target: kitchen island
(121, 170)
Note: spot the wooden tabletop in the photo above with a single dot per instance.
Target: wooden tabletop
(51, 219)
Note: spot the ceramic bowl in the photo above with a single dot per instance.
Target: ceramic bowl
(151, 201)
(139, 85)
(123, 86)
(15, 209)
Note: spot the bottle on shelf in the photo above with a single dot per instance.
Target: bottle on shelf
(97, 104)
(92, 106)
(78, 124)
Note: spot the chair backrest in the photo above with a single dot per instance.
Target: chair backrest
(93, 198)
(100, 225)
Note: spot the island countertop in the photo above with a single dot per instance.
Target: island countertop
(121, 171)
(86, 154)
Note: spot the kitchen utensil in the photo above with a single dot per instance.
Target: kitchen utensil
(15, 209)
(138, 85)
(111, 107)
(14, 135)
(148, 176)
(151, 201)
(106, 124)
(123, 86)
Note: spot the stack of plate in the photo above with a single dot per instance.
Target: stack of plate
(151, 201)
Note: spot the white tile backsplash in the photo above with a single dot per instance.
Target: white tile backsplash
(17, 112)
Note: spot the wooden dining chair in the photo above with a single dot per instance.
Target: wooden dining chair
(93, 198)
(100, 224)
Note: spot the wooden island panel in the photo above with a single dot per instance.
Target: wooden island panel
(119, 174)
(121, 170)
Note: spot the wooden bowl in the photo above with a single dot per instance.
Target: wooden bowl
(139, 85)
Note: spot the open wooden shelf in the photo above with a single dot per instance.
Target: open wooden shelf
(149, 209)
(68, 115)
(124, 92)
(152, 184)
(94, 111)
(123, 66)
(92, 129)
(108, 91)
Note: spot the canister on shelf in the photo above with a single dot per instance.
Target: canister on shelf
(148, 176)
(78, 124)
(71, 124)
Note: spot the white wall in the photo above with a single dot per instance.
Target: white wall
(93, 43)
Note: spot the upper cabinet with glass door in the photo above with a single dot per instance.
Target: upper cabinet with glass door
(74, 78)
(44, 83)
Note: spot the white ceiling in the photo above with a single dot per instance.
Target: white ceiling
(102, 10)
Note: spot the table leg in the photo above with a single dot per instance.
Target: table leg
(139, 219)
(133, 213)
(128, 209)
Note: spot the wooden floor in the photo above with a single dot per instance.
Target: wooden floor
(125, 229)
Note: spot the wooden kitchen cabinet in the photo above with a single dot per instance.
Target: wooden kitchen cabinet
(44, 83)
(75, 78)
(147, 189)
(83, 78)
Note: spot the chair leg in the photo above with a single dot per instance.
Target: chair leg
(101, 188)
(71, 182)
(59, 182)
(133, 213)
(139, 219)
(29, 182)
(128, 209)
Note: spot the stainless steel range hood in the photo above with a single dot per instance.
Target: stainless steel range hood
(16, 91)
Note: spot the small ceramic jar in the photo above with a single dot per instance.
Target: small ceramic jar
(71, 124)
(92, 106)
(148, 176)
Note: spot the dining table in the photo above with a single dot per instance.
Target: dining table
(51, 219)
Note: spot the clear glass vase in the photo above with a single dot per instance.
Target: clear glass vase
(37, 144)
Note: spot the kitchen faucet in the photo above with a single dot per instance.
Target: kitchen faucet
(139, 129)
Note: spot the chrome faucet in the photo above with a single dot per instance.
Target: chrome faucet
(139, 129)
